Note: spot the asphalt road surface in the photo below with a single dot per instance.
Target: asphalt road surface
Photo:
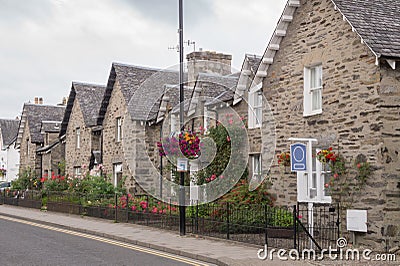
(26, 243)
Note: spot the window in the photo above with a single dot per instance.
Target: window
(77, 171)
(255, 109)
(174, 124)
(312, 90)
(256, 169)
(312, 189)
(78, 137)
(27, 146)
(117, 174)
(118, 133)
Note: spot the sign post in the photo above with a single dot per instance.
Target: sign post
(301, 161)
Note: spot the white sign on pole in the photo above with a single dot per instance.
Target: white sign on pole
(182, 165)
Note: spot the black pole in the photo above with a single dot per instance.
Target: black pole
(182, 210)
(161, 166)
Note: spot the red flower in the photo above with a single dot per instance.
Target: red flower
(358, 165)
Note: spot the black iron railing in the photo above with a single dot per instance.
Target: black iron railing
(282, 227)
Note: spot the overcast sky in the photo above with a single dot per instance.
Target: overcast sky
(47, 44)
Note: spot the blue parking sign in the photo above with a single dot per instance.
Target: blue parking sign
(298, 157)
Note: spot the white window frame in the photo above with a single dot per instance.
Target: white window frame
(117, 169)
(256, 167)
(78, 137)
(312, 89)
(312, 188)
(118, 132)
(255, 107)
(77, 171)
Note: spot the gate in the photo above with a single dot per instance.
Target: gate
(316, 228)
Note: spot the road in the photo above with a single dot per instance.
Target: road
(26, 243)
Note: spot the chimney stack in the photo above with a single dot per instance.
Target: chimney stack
(38, 100)
(208, 62)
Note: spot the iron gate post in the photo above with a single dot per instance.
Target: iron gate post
(294, 226)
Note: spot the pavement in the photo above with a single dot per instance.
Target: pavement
(213, 251)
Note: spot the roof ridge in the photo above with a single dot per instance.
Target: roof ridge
(216, 75)
(44, 105)
(88, 84)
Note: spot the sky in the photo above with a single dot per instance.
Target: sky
(47, 44)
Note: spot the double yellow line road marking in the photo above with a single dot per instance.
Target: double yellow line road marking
(109, 241)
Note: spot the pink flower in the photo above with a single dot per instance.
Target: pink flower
(335, 176)
(221, 176)
(326, 185)
(300, 216)
(134, 208)
(359, 165)
(154, 210)
(228, 139)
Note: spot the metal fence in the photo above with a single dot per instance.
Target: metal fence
(281, 227)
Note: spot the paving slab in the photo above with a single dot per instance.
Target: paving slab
(220, 252)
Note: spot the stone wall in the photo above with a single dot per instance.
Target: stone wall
(389, 125)
(27, 161)
(351, 120)
(77, 157)
(51, 160)
(208, 62)
(113, 151)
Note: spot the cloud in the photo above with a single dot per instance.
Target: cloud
(166, 11)
(48, 44)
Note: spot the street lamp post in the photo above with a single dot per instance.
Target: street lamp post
(182, 208)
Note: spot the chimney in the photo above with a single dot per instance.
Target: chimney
(208, 62)
(40, 100)
(63, 102)
(36, 101)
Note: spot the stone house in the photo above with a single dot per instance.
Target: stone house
(9, 156)
(119, 133)
(31, 137)
(51, 155)
(329, 73)
(80, 128)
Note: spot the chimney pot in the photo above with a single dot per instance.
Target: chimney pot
(36, 100)
(40, 100)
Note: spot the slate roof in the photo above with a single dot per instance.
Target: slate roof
(223, 97)
(253, 62)
(50, 126)
(90, 97)
(376, 21)
(9, 131)
(129, 77)
(146, 100)
(35, 114)
(250, 63)
(211, 86)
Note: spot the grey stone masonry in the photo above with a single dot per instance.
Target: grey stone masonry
(360, 112)
(208, 62)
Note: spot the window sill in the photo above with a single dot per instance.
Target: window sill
(255, 126)
(318, 112)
